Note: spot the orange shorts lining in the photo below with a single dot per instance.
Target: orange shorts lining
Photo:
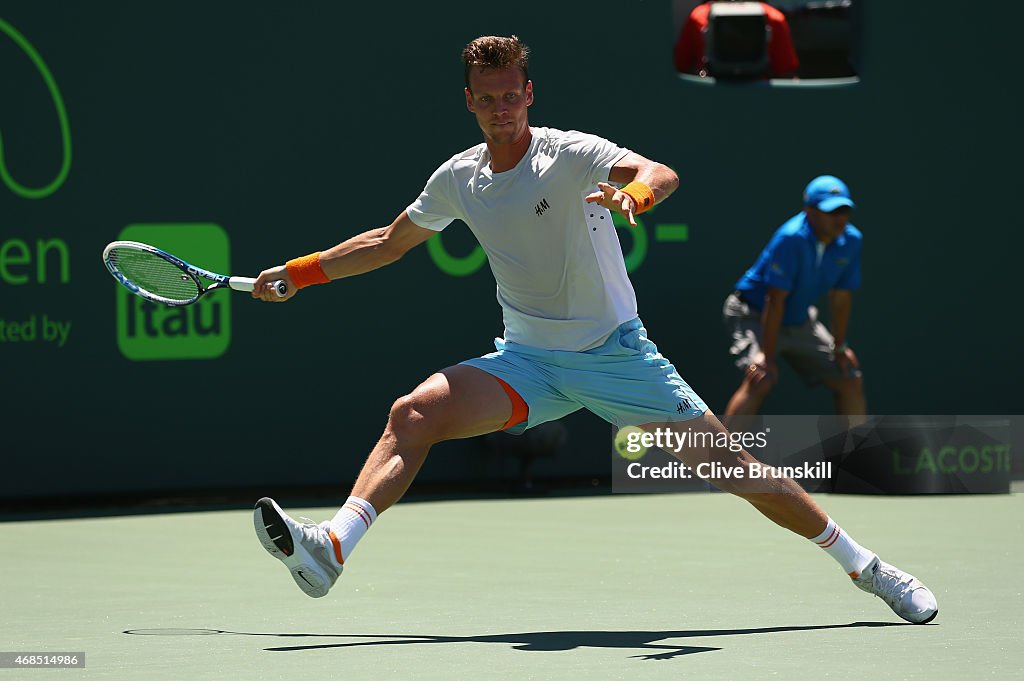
(520, 410)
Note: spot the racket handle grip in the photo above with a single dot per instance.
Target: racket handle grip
(248, 283)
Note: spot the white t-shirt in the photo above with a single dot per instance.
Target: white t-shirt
(562, 282)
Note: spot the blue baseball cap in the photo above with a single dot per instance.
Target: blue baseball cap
(826, 193)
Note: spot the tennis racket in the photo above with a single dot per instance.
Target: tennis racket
(162, 278)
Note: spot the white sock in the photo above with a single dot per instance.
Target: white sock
(349, 525)
(848, 553)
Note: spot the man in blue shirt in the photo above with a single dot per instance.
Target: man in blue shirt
(772, 311)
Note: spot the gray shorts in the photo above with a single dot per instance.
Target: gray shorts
(807, 348)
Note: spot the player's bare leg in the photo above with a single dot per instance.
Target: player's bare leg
(787, 504)
(458, 402)
(781, 500)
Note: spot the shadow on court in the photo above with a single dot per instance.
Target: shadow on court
(538, 641)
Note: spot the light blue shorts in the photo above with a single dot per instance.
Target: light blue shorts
(625, 380)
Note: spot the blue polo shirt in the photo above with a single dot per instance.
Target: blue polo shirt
(791, 261)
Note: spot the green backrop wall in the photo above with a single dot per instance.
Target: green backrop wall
(247, 133)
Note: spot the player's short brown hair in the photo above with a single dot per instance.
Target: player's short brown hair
(496, 52)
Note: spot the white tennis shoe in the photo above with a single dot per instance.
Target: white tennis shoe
(901, 591)
(310, 552)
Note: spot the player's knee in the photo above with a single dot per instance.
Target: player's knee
(406, 418)
(719, 466)
(729, 479)
(739, 474)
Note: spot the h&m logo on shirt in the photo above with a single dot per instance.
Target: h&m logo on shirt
(541, 207)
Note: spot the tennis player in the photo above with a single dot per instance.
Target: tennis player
(538, 201)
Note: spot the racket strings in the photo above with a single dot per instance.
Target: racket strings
(152, 273)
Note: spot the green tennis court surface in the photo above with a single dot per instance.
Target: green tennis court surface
(695, 586)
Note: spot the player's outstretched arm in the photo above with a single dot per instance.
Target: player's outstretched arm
(658, 178)
(362, 253)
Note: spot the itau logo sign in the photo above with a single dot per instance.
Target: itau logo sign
(202, 330)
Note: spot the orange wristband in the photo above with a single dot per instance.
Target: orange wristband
(641, 194)
(306, 271)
